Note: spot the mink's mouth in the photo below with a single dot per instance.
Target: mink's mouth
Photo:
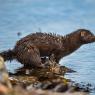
(88, 39)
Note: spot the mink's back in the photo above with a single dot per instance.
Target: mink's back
(46, 43)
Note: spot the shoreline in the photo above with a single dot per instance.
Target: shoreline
(45, 81)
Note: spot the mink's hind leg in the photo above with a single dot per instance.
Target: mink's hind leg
(33, 57)
(29, 56)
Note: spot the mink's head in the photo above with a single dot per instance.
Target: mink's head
(86, 36)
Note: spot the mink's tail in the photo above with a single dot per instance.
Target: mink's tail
(8, 55)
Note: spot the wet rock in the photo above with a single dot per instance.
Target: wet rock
(50, 86)
(81, 87)
(41, 81)
(4, 90)
(4, 74)
(61, 88)
(66, 69)
(24, 81)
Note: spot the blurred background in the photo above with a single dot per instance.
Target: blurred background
(19, 18)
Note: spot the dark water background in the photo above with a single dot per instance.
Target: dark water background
(59, 16)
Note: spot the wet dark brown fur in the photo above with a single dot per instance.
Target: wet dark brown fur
(31, 48)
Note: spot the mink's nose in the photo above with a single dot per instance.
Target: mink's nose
(91, 39)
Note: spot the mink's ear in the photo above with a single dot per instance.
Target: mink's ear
(82, 34)
(82, 37)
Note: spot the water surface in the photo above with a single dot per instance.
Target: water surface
(59, 16)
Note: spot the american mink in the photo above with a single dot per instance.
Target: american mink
(31, 48)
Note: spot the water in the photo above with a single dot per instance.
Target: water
(83, 62)
(59, 16)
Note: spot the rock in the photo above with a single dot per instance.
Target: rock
(4, 74)
(45, 81)
(61, 88)
(4, 90)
